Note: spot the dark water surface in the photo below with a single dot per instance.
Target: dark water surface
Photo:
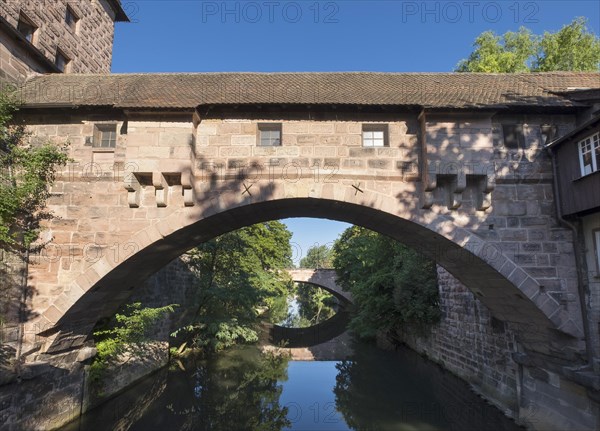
(244, 389)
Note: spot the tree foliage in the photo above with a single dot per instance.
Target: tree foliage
(314, 305)
(26, 174)
(129, 331)
(318, 256)
(572, 48)
(239, 274)
(392, 286)
(508, 53)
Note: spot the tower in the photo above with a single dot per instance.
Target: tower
(57, 36)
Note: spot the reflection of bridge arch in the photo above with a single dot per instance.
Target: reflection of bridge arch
(322, 332)
(313, 335)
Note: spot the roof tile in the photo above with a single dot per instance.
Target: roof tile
(187, 91)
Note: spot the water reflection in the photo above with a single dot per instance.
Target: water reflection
(238, 390)
(244, 389)
(380, 390)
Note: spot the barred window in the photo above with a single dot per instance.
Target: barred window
(375, 135)
(105, 136)
(269, 134)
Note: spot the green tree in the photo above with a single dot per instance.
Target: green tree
(129, 332)
(315, 304)
(318, 256)
(572, 48)
(392, 286)
(240, 274)
(509, 53)
(26, 174)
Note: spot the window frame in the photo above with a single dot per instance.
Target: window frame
(24, 19)
(99, 130)
(596, 240)
(67, 61)
(593, 141)
(72, 19)
(521, 140)
(269, 127)
(371, 128)
(549, 133)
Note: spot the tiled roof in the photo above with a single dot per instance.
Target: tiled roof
(187, 91)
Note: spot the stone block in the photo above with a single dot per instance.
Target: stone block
(249, 140)
(508, 208)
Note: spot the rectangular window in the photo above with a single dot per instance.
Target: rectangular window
(71, 19)
(589, 154)
(269, 134)
(26, 28)
(549, 133)
(375, 135)
(105, 136)
(514, 136)
(61, 61)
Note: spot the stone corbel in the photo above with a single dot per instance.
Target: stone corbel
(486, 187)
(455, 190)
(186, 186)
(429, 185)
(161, 189)
(132, 185)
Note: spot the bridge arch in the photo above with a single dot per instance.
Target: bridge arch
(506, 289)
(323, 331)
(320, 277)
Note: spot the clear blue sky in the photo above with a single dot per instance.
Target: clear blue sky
(394, 35)
(279, 35)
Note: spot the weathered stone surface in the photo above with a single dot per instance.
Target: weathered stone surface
(117, 230)
(89, 49)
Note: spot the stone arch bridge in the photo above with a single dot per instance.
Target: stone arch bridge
(324, 331)
(320, 277)
(187, 165)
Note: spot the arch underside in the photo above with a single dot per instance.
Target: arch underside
(490, 275)
(312, 335)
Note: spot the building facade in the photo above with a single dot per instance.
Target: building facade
(576, 160)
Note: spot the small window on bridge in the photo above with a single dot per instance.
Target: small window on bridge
(269, 134)
(105, 136)
(514, 136)
(375, 135)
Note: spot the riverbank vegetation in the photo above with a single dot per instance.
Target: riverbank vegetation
(392, 286)
(240, 276)
(126, 335)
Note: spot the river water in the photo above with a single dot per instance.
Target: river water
(246, 389)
